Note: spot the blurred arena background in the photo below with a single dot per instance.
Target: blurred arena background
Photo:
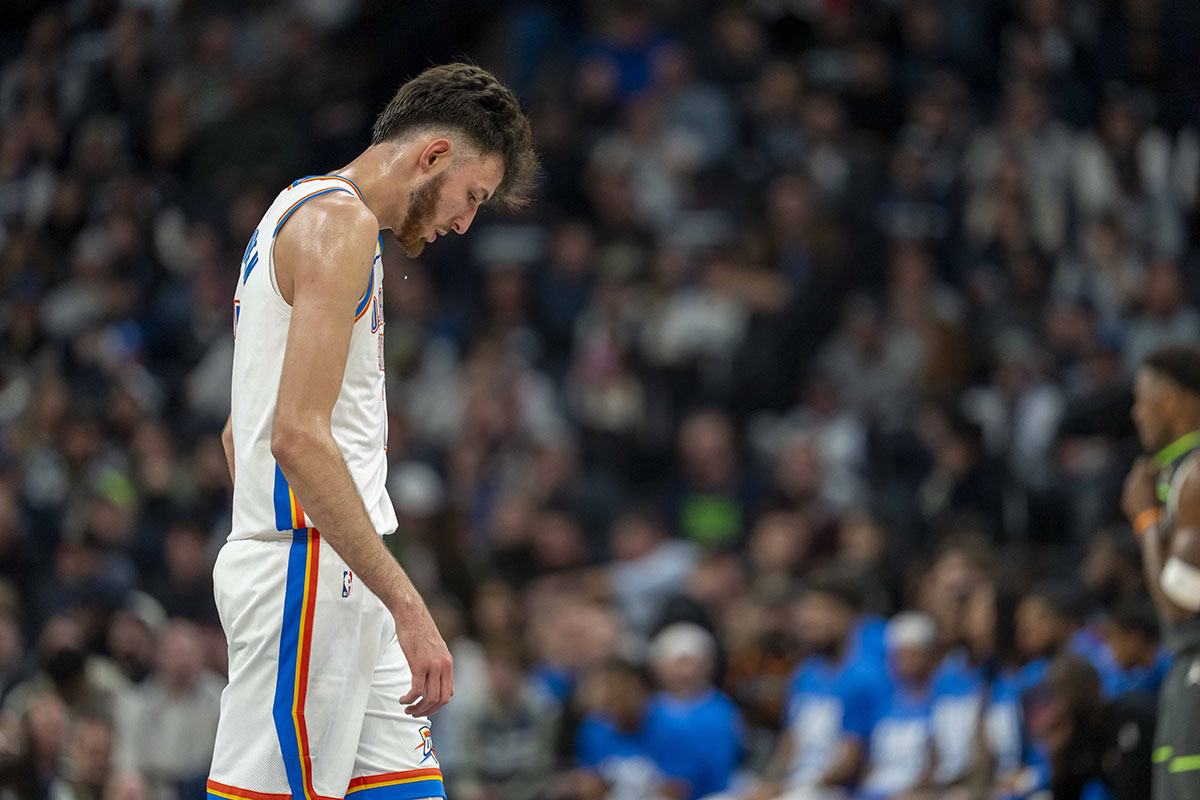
(826, 310)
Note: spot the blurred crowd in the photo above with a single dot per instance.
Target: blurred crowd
(774, 451)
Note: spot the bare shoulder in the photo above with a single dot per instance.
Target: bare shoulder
(1189, 497)
(328, 235)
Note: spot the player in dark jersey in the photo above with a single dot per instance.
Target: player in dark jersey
(1161, 498)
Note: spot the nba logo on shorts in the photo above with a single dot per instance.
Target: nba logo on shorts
(347, 579)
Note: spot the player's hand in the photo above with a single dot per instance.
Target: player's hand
(1140, 492)
(431, 665)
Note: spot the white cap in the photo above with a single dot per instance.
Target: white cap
(682, 639)
(911, 629)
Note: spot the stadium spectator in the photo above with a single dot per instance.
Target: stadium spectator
(832, 700)
(806, 288)
(899, 752)
(693, 716)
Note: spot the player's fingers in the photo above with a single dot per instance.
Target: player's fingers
(419, 675)
(436, 687)
(435, 696)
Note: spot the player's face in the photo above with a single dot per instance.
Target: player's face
(1151, 409)
(448, 201)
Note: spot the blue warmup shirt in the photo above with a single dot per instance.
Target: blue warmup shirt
(624, 760)
(698, 741)
(827, 703)
(957, 689)
(868, 641)
(899, 750)
(1144, 679)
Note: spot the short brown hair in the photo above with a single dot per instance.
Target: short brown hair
(470, 100)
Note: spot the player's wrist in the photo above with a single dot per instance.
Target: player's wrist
(1145, 520)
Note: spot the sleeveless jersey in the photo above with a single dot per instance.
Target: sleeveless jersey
(1183, 635)
(264, 505)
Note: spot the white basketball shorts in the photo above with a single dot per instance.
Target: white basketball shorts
(312, 708)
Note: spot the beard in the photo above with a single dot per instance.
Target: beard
(422, 206)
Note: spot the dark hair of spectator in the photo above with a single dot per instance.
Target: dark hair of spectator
(1180, 363)
(1065, 600)
(838, 586)
(1005, 655)
(468, 99)
(1075, 681)
(1138, 617)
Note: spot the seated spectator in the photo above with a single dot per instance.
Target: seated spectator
(691, 714)
(41, 738)
(616, 740)
(898, 755)
(1096, 748)
(87, 682)
(132, 635)
(1132, 635)
(649, 568)
(976, 707)
(508, 738)
(831, 703)
(1050, 623)
(166, 725)
(88, 761)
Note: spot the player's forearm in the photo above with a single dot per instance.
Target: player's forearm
(1153, 557)
(845, 768)
(317, 472)
(227, 444)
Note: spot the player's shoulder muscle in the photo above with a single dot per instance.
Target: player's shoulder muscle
(325, 241)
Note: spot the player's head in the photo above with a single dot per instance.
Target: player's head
(911, 640)
(683, 658)
(826, 612)
(473, 145)
(1166, 395)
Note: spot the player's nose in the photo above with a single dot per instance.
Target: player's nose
(463, 221)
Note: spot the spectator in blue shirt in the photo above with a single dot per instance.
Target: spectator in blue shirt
(698, 730)
(1050, 623)
(617, 737)
(899, 757)
(1133, 637)
(832, 700)
(976, 713)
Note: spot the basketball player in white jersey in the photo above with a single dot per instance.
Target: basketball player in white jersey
(334, 662)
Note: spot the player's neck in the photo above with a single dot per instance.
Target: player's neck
(1185, 437)
(378, 172)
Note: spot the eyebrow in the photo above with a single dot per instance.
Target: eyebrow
(484, 195)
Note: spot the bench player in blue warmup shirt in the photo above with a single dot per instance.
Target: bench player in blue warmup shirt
(832, 701)
(619, 739)
(900, 754)
(979, 678)
(698, 729)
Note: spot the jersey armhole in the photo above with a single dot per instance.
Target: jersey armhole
(273, 279)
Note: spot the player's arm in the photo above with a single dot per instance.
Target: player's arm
(227, 443)
(1179, 581)
(1139, 502)
(1170, 559)
(323, 260)
(846, 763)
(776, 769)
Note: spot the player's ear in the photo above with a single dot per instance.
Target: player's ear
(436, 155)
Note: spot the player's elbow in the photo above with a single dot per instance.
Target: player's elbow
(292, 442)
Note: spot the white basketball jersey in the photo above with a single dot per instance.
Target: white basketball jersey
(263, 502)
